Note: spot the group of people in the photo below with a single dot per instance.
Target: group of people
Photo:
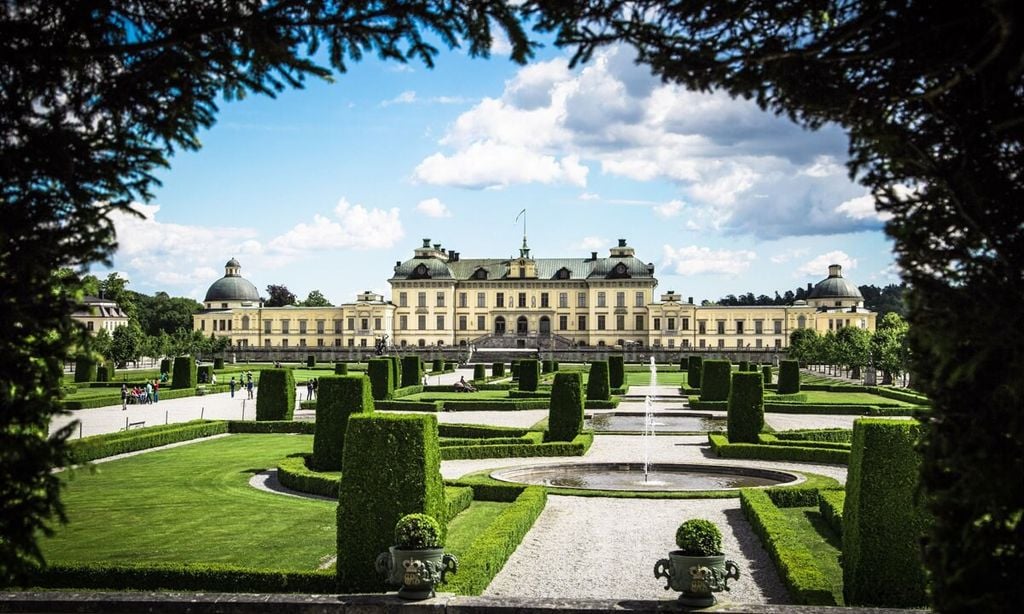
(463, 386)
(245, 381)
(311, 387)
(140, 395)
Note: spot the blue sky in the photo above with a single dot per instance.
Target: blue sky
(325, 188)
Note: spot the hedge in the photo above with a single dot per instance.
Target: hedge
(480, 430)
(694, 370)
(397, 405)
(616, 371)
(835, 435)
(565, 418)
(341, 368)
(598, 382)
(101, 446)
(883, 519)
(204, 374)
(85, 369)
(479, 372)
(412, 371)
(515, 370)
(218, 364)
(789, 377)
(451, 442)
(772, 440)
(529, 374)
(166, 394)
(830, 505)
(271, 426)
(611, 403)
(721, 446)
(105, 371)
(494, 404)
(746, 407)
(766, 373)
(488, 553)
(577, 447)
(701, 405)
(437, 366)
(381, 384)
(715, 380)
(744, 366)
(848, 409)
(498, 369)
(396, 373)
(294, 473)
(797, 565)
(547, 366)
(338, 398)
(522, 394)
(199, 577)
(391, 467)
(184, 375)
(165, 366)
(276, 398)
(899, 395)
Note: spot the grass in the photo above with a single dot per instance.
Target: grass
(854, 398)
(821, 540)
(464, 528)
(665, 378)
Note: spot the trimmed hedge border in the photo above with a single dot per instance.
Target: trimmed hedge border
(271, 426)
(577, 447)
(166, 394)
(183, 577)
(807, 584)
(450, 442)
(293, 472)
(836, 435)
(830, 504)
(696, 403)
(429, 406)
(721, 446)
(849, 409)
(494, 405)
(611, 403)
(101, 446)
(769, 439)
(480, 430)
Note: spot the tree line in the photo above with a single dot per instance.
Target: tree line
(882, 300)
(850, 349)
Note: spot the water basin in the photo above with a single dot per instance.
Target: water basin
(630, 476)
(664, 422)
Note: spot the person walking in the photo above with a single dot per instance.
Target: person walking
(249, 385)
(156, 391)
(149, 393)
(309, 389)
(231, 384)
(124, 397)
(316, 384)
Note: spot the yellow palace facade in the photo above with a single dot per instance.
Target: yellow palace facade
(440, 299)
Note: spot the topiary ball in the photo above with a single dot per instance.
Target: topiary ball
(699, 537)
(417, 532)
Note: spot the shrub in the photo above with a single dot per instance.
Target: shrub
(184, 373)
(699, 537)
(616, 371)
(515, 370)
(165, 366)
(218, 364)
(716, 376)
(479, 372)
(546, 366)
(396, 372)
(437, 366)
(294, 473)
(391, 467)
(766, 374)
(310, 361)
(723, 448)
(577, 447)
(85, 369)
(746, 407)
(271, 426)
(789, 377)
(337, 399)
(744, 366)
(417, 532)
(381, 384)
(565, 418)
(102, 446)
(204, 374)
(694, 370)
(830, 504)
(105, 372)
(598, 384)
(276, 398)
(882, 521)
(529, 374)
(341, 368)
(498, 369)
(412, 371)
(554, 366)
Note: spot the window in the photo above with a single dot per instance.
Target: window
(757, 343)
(801, 322)
(721, 343)
(421, 322)
(351, 323)
(319, 327)
(686, 324)
(638, 300)
(758, 327)
(620, 299)
(302, 327)
(600, 322)
(739, 343)
(202, 325)
(581, 323)
(703, 343)
(364, 324)
(223, 305)
(302, 343)
(463, 300)
(266, 343)
(544, 300)
(563, 322)
(403, 299)
(440, 299)
(702, 327)
(721, 327)
(620, 322)
(462, 323)
(440, 322)
(656, 324)
(266, 326)
(351, 342)
(481, 299)
(478, 274)
(337, 342)
(421, 299)
(639, 322)
(499, 300)
(778, 343)
(284, 343)
(581, 299)
(839, 303)
(672, 343)
(739, 327)
(778, 327)
(284, 327)
(686, 343)
(522, 299)
(600, 299)
(481, 322)
(563, 300)
(245, 322)
(337, 327)
(671, 324)
(376, 324)
(362, 342)
(403, 322)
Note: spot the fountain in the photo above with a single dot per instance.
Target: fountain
(648, 435)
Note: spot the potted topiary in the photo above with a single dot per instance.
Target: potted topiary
(698, 568)
(417, 561)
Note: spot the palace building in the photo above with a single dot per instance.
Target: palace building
(439, 298)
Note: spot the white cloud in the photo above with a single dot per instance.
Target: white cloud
(590, 244)
(789, 254)
(818, 266)
(500, 44)
(823, 166)
(695, 260)
(433, 207)
(862, 208)
(670, 209)
(490, 165)
(352, 226)
(589, 196)
(406, 97)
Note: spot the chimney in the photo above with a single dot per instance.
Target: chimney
(453, 256)
(593, 255)
(437, 246)
(622, 243)
(835, 270)
(810, 286)
(689, 300)
(398, 263)
(426, 243)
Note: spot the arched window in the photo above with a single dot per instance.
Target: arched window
(420, 272)
(421, 343)
(801, 322)
(499, 325)
(480, 273)
(245, 322)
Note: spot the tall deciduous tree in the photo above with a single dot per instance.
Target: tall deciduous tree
(279, 296)
(315, 299)
(930, 94)
(95, 96)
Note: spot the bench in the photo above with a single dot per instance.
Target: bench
(136, 425)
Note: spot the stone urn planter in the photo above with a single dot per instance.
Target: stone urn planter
(417, 562)
(699, 568)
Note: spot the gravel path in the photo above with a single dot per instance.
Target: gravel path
(581, 548)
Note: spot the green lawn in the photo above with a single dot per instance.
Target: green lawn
(821, 540)
(665, 378)
(856, 398)
(464, 528)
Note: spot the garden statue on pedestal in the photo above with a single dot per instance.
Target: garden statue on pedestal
(417, 561)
